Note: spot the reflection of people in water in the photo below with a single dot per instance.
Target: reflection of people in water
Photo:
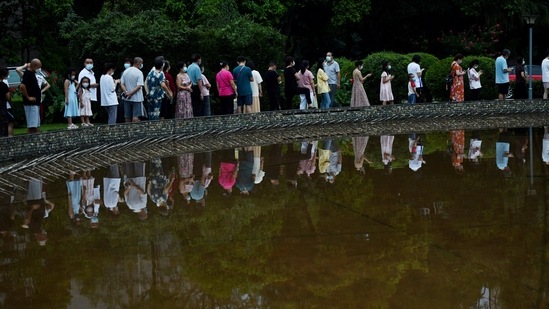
(185, 164)
(330, 160)
(475, 145)
(159, 185)
(227, 175)
(74, 193)
(244, 176)
(274, 167)
(308, 164)
(39, 208)
(503, 146)
(458, 149)
(415, 146)
(387, 152)
(545, 145)
(91, 198)
(111, 189)
(257, 170)
(359, 148)
(199, 190)
(134, 193)
(7, 215)
(521, 143)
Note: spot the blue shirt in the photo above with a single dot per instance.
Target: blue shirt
(501, 159)
(242, 76)
(502, 76)
(194, 72)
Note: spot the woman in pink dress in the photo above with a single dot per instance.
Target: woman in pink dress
(385, 90)
(183, 107)
(358, 95)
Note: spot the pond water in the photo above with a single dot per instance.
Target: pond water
(430, 220)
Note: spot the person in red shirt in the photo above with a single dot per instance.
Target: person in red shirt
(167, 109)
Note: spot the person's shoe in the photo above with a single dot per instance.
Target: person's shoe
(90, 124)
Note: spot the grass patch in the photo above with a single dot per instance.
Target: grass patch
(43, 128)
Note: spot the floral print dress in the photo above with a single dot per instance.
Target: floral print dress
(457, 93)
(184, 107)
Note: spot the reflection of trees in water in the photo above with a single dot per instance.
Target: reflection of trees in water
(314, 245)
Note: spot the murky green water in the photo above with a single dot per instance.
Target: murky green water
(292, 226)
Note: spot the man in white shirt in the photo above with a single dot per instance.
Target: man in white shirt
(132, 83)
(87, 71)
(417, 71)
(545, 74)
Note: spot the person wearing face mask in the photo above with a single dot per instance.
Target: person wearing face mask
(474, 79)
(457, 93)
(183, 105)
(42, 82)
(331, 67)
(132, 82)
(415, 69)
(107, 85)
(87, 71)
(30, 91)
(385, 89)
(520, 82)
(71, 100)
(155, 89)
(84, 94)
(358, 94)
(195, 74)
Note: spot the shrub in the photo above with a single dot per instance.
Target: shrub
(373, 64)
(438, 72)
(427, 60)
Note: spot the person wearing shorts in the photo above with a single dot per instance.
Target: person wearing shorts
(502, 74)
(132, 82)
(243, 76)
(545, 74)
(31, 96)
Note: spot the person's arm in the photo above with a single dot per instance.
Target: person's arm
(147, 86)
(233, 84)
(67, 83)
(21, 69)
(45, 88)
(23, 89)
(178, 83)
(149, 187)
(167, 90)
(338, 80)
(362, 79)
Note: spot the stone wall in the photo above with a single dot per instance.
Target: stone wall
(26, 146)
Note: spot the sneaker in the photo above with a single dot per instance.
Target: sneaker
(90, 125)
(84, 124)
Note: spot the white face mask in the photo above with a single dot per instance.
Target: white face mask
(85, 85)
(328, 58)
(89, 66)
(141, 66)
(126, 65)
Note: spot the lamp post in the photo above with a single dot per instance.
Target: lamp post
(530, 20)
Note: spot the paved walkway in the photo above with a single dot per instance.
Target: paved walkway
(54, 153)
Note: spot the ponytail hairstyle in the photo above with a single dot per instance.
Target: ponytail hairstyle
(304, 66)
